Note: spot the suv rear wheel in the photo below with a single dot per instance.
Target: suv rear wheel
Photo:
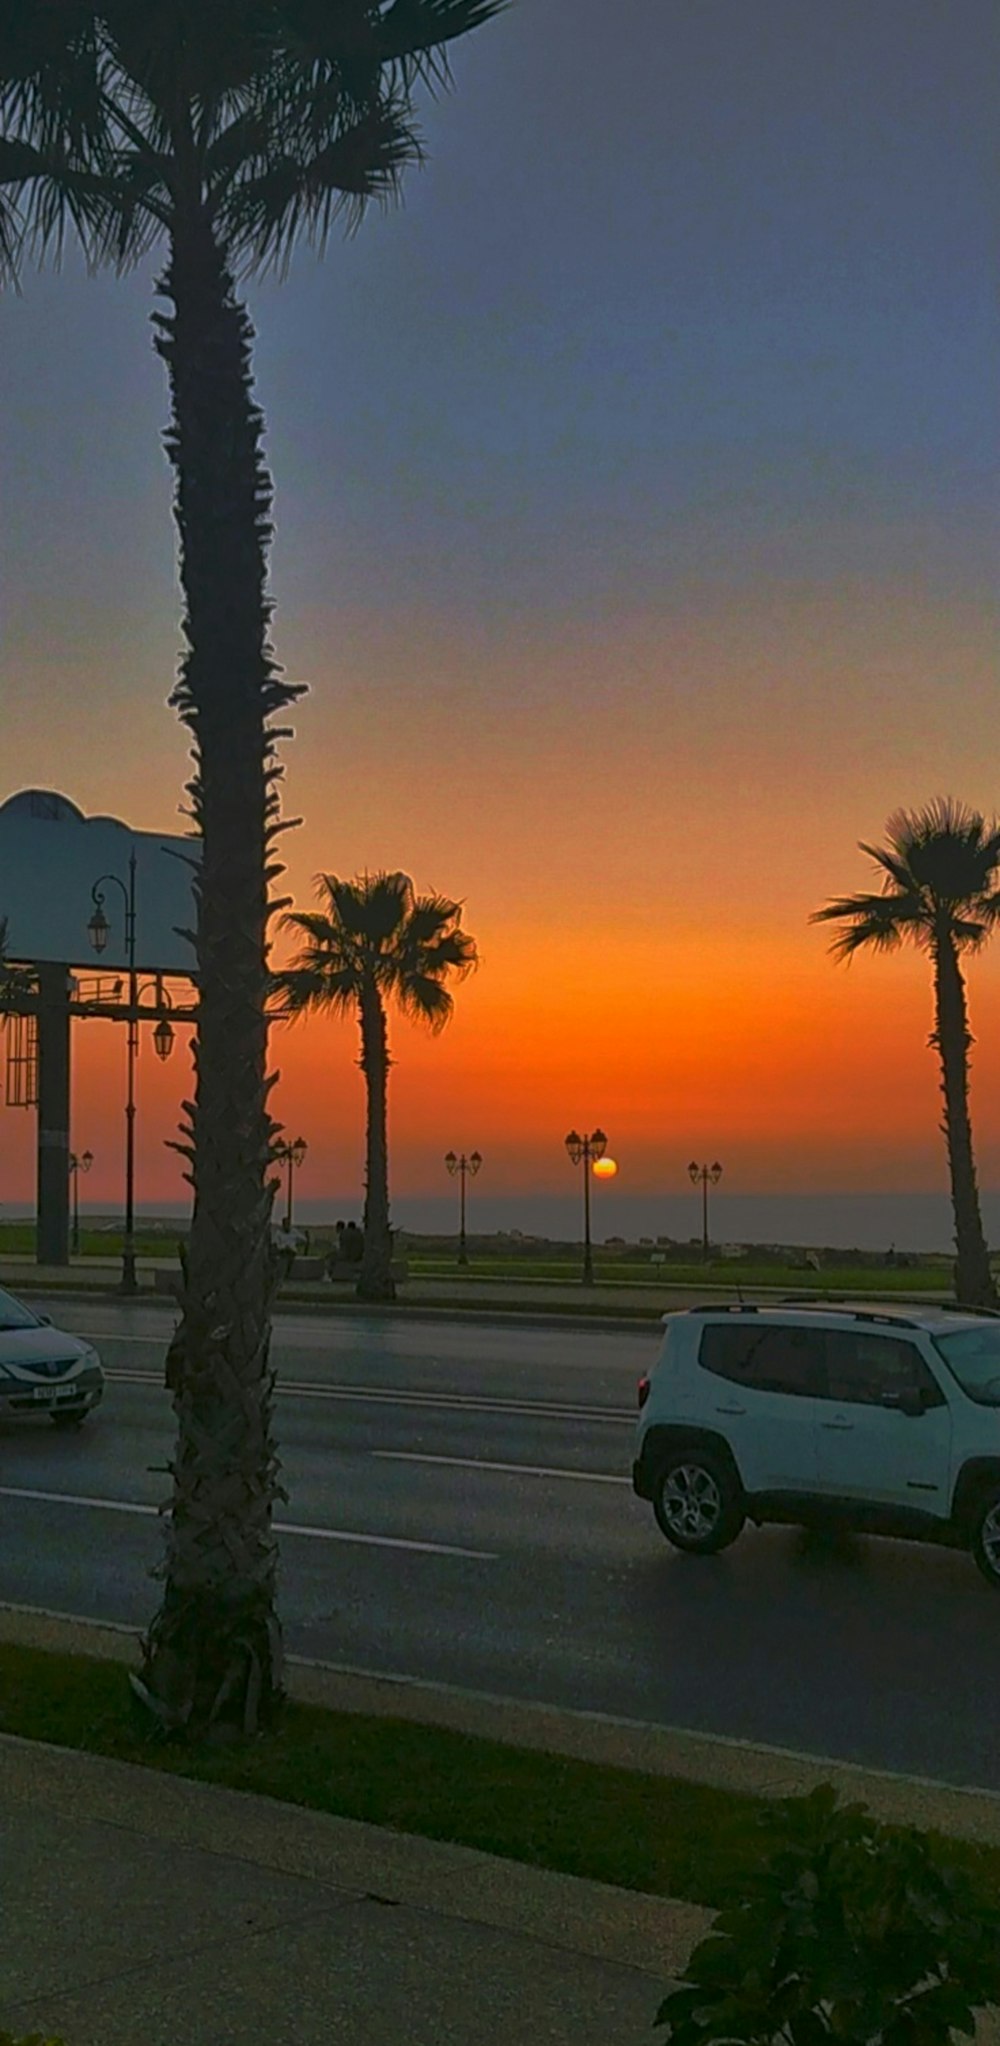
(698, 1503)
(986, 1536)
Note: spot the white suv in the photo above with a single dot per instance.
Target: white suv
(880, 1419)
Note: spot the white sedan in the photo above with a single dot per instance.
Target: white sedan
(43, 1370)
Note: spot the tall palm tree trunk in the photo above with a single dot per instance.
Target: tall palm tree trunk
(973, 1280)
(375, 1281)
(213, 1658)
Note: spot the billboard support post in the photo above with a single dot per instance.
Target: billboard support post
(52, 1241)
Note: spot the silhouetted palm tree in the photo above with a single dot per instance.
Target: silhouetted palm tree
(372, 943)
(940, 891)
(223, 130)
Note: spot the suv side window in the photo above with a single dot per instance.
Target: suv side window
(863, 1367)
(768, 1359)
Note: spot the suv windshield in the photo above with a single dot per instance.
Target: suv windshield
(13, 1315)
(973, 1357)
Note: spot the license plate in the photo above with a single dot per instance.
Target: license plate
(43, 1392)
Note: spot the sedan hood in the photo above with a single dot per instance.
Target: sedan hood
(31, 1347)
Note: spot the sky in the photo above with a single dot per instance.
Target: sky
(637, 535)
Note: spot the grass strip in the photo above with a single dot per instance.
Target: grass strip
(658, 1834)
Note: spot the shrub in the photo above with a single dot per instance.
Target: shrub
(30, 2039)
(849, 1931)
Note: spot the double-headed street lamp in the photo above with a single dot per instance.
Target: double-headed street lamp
(464, 1166)
(292, 1155)
(76, 1166)
(99, 931)
(705, 1176)
(585, 1151)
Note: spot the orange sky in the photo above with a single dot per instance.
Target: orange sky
(639, 877)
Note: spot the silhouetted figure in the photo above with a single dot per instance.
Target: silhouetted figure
(352, 1248)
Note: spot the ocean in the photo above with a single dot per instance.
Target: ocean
(865, 1221)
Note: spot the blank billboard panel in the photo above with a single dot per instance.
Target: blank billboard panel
(51, 857)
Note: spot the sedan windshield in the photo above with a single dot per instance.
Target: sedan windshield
(14, 1315)
(973, 1357)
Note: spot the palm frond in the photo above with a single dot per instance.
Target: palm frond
(302, 193)
(877, 923)
(424, 1000)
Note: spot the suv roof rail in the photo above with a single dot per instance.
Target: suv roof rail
(724, 1307)
(827, 1303)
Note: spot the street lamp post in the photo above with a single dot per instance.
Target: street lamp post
(585, 1151)
(292, 1155)
(76, 1166)
(463, 1166)
(705, 1176)
(99, 930)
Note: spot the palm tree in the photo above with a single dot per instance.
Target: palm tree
(375, 941)
(939, 892)
(222, 132)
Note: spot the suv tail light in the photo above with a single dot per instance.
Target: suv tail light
(643, 1389)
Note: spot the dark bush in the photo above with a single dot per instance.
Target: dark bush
(850, 1931)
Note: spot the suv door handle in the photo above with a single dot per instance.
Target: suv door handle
(731, 1410)
(840, 1424)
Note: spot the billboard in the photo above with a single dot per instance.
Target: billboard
(51, 857)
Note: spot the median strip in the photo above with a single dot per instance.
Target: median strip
(668, 1836)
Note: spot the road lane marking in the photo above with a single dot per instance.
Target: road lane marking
(481, 1463)
(387, 1395)
(289, 1527)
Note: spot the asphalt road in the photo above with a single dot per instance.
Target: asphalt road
(460, 1510)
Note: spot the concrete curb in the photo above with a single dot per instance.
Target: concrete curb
(720, 1762)
(530, 1316)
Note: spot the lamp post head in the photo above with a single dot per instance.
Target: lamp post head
(715, 1173)
(574, 1145)
(163, 1039)
(451, 1161)
(86, 1160)
(297, 1151)
(475, 1162)
(598, 1144)
(693, 1171)
(99, 929)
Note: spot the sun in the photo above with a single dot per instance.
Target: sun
(605, 1168)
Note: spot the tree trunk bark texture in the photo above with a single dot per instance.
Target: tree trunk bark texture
(212, 1661)
(973, 1279)
(375, 1280)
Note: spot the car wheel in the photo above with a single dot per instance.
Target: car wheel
(986, 1537)
(75, 1420)
(698, 1502)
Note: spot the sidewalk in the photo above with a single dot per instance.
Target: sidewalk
(139, 1909)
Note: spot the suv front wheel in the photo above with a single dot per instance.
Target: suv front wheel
(698, 1503)
(986, 1537)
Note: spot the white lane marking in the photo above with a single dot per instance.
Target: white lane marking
(316, 1534)
(115, 1335)
(481, 1463)
(76, 1499)
(387, 1395)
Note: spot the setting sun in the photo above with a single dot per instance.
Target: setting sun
(605, 1168)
